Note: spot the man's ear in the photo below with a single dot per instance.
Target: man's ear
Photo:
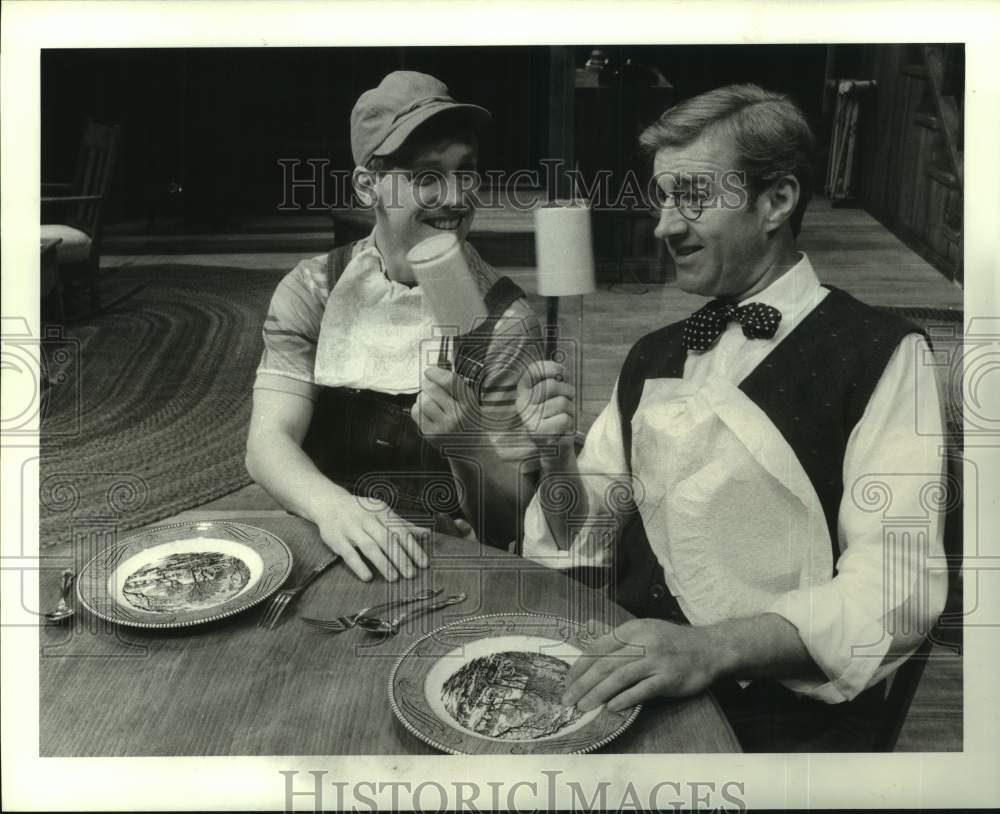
(365, 186)
(780, 201)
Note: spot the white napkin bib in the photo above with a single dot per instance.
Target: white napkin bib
(373, 330)
(742, 524)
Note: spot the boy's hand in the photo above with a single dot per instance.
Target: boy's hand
(354, 524)
(446, 405)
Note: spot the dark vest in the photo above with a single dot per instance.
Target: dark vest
(367, 442)
(813, 386)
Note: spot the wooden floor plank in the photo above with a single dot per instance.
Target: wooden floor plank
(934, 723)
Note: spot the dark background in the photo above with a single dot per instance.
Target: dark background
(216, 121)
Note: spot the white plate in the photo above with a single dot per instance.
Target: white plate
(491, 685)
(184, 574)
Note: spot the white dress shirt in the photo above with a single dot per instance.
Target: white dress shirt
(736, 524)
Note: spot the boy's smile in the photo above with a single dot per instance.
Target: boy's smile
(431, 197)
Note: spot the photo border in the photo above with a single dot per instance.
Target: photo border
(949, 780)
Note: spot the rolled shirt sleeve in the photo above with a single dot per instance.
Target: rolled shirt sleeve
(891, 580)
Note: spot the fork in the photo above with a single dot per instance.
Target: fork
(391, 626)
(342, 623)
(283, 598)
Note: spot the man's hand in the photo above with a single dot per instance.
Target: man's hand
(443, 406)
(642, 659)
(391, 544)
(545, 404)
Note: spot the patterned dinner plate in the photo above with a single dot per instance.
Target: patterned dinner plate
(491, 685)
(183, 574)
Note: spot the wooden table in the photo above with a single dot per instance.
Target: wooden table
(230, 688)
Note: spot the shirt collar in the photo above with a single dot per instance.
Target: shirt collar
(793, 291)
(366, 247)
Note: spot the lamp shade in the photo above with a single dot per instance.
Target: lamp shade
(564, 250)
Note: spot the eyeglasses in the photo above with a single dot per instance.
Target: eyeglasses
(689, 202)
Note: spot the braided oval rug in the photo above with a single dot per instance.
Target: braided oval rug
(148, 405)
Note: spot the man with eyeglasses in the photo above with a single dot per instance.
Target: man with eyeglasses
(743, 437)
(345, 403)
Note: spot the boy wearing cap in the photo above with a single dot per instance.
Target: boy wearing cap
(345, 404)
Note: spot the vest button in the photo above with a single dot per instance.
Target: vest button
(657, 592)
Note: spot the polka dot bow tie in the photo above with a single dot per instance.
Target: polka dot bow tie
(705, 326)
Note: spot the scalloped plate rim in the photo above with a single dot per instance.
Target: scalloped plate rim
(449, 750)
(239, 608)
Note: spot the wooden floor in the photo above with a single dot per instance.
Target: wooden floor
(847, 247)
